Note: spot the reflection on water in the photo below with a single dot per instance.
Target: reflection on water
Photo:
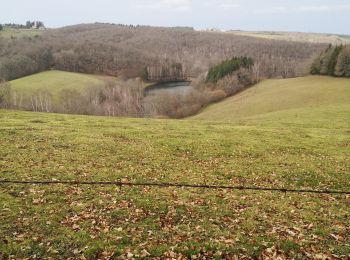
(173, 88)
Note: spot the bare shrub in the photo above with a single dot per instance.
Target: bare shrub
(5, 95)
(72, 102)
(174, 104)
(216, 95)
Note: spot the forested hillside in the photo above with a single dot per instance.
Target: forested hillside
(334, 61)
(155, 54)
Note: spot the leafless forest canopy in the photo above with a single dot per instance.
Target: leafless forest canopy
(153, 54)
(126, 50)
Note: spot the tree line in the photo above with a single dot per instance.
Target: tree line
(27, 25)
(34, 24)
(334, 61)
(228, 67)
(153, 53)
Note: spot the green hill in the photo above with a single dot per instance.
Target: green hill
(54, 81)
(54, 91)
(315, 98)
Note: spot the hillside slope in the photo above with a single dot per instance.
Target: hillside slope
(81, 221)
(8, 32)
(54, 81)
(285, 99)
(54, 91)
(150, 52)
(297, 36)
(73, 221)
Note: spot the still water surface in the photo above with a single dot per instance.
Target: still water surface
(173, 87)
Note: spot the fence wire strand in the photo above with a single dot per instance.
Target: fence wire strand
(169, 185)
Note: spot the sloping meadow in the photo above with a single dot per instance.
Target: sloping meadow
(102, 221)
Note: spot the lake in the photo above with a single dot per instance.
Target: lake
(171, 87)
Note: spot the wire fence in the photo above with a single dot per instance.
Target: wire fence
(169, 185)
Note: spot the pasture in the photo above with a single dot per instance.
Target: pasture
(103, 221)
(54, 81)
(312, 100)
(8, 32)
(297, 36)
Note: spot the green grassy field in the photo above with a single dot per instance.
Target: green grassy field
(312, 98)
(310, 150)
(11, 32)
(55, 81)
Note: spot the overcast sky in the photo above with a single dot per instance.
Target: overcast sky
(332, 16)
